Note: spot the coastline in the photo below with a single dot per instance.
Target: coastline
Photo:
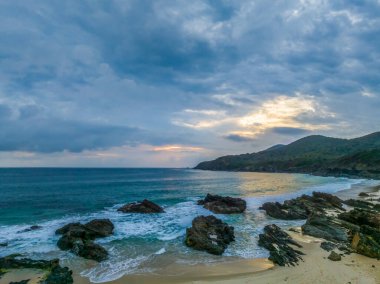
(315, 268)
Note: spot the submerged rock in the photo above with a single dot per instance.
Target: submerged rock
(303, 206)
(363, 194)
(78, 238)
(144, 206)
(55, 273)
(210, 234)
(223, 205)
(335, 256)
(324, 227)
(31, 228)
(278, 243)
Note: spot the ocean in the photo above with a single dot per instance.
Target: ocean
(142, 243)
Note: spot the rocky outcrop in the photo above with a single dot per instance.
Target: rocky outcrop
(303, 206)
(210, 234)
(78, 238)
(361, 217)
(324, 227)
(367, 242)
(278, 243)
(362, 204)
(223, 205)
(144, 206)
(55, 273)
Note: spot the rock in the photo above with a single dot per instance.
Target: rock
(59, 275)
(101, 227)
(363, 194)
(335, 256)
(3, 244)
(361, 217)
(14, 262)
(367, 242)
(324, 227)
(209, 234)
(279, 211)
(31, 228)
(20, 282)
(55, 273)
(223, 205)
(78, 238)
(90, 250)
(328, 246)
(361, 204)
(303, 206)
(144, 206)
(277, 242)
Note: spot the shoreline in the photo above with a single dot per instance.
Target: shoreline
(315, 265)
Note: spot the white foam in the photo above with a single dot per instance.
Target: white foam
(161, 251)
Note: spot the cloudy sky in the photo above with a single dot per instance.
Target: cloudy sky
(171, 83)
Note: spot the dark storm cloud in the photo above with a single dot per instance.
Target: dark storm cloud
(289, 131)
(237, 138)
(81, 75)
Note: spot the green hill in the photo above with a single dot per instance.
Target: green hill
(316, 154)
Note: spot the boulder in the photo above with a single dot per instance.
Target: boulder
(223, 205)
(144, 206)
(278, 243)
(210, 234)
(78, 238)
(335, 256)
(301, 207)
(59, 275)
(324, 227)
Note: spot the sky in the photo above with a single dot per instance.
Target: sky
(137, 83)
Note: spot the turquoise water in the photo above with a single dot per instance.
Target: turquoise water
(141, 243)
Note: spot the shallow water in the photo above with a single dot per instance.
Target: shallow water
(141, 243)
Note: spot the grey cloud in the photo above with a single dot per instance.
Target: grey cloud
(289, 131)
(237, 138)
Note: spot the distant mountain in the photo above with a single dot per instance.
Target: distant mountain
(315, 154)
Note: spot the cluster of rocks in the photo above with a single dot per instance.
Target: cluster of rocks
(277, 242)
(79, 238)
(356, 229)
(209, 233)
(56, 274)
(302, 207)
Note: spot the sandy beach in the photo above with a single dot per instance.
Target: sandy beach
(315, 267)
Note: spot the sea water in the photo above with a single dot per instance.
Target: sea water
(141, 243)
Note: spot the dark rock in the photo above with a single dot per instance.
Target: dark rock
(14, 262)
(78, 238)
(59, 275)
(363, 194)
(31, 228)
(335, 256)
(328, 246)
(361, 217)
(144, 206)
(20, 282)
(367, 242)
(324, 227)
(223, 205)
(55, 273)
(361, 204)
(278, 243)
(209, 234)
(303, 206)
(3, 244)
(100, 227)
